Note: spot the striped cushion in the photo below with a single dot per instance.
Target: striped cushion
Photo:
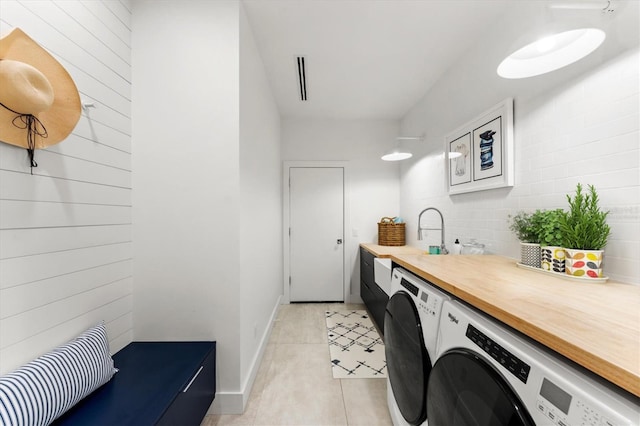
(42, 390)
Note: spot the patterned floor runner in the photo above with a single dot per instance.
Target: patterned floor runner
(355, 347)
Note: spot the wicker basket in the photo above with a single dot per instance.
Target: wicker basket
(390, 233)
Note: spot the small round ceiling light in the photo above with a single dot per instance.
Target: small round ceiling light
(396, 155)
(551, 53)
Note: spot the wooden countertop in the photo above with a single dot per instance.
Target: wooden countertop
(597, 325)
(388, 251)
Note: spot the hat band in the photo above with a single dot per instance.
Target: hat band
(34, 128)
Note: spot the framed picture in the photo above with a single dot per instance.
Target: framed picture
(479, 154)
(460, 169)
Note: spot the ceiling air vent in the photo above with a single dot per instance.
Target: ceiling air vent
(302, 78)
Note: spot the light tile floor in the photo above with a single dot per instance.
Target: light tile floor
(294, 385)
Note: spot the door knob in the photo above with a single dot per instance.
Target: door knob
(339, 241)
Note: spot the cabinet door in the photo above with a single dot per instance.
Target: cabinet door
(378, 306)
(374, 298)
(366, 294)
(366, 267)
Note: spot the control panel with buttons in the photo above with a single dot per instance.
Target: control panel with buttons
(430, 304)
(564, 410)
(509, 361)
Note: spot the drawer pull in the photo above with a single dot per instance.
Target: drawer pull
(193, 379)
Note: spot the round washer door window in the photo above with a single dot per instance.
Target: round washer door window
(465, 390)
(408, 363)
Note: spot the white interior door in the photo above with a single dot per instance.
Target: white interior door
(316, 239)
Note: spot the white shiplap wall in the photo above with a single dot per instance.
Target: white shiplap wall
(65, 231)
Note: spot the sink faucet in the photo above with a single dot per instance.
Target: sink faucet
(443, 249)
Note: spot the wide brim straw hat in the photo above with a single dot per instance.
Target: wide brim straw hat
(35, 82)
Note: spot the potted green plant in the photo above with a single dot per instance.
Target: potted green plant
(551, 240)
(584, 233)
(524, 225)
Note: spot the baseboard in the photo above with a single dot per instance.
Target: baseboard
(355, 299)
(235, 402)
(227, 403)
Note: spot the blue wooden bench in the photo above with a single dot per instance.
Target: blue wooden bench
(158, 383)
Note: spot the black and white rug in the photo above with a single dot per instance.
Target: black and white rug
(355, 347)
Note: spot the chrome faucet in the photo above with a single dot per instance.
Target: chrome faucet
(443, 249)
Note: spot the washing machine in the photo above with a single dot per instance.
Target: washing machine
(489, 374)
(411, 323)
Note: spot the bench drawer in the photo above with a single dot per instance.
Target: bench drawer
(192, 403)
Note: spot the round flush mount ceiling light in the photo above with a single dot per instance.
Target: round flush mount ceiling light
(396, 155)
(551, 53)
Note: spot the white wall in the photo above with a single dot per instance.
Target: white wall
(372, 187)
(260, 207)
(65, 232)
(206, 184)
(186, 176)
(579, 124)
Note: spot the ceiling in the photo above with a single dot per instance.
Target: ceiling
(368, 59)
(363, 58)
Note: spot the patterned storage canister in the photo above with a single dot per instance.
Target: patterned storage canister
(584, 263)
(553, 258)
(530, 254)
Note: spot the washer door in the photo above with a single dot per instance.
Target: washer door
(408, 363)
(466, 390)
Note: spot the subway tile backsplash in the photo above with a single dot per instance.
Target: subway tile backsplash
(586, 131)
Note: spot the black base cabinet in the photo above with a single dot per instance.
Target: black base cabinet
(374, 298)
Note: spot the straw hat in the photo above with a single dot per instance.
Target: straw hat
(34, 84)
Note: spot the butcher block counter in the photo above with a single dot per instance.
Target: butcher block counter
(597, 325)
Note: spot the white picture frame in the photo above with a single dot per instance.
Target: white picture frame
(484, 154)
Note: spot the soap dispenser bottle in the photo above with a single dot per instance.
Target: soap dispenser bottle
(457, 247)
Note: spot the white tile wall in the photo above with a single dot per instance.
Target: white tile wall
(585, 130)
(599, 144)
(65, 231)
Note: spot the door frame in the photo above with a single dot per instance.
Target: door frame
(286, 223)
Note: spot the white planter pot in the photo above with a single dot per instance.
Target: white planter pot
(584, 263)
(530, 254)
(553, 258)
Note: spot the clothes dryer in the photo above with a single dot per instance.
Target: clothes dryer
(488, 374)
(410, 329)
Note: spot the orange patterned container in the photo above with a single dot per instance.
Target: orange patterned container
(584, 263)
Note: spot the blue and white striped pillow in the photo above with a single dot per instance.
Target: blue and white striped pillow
(39, 392)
